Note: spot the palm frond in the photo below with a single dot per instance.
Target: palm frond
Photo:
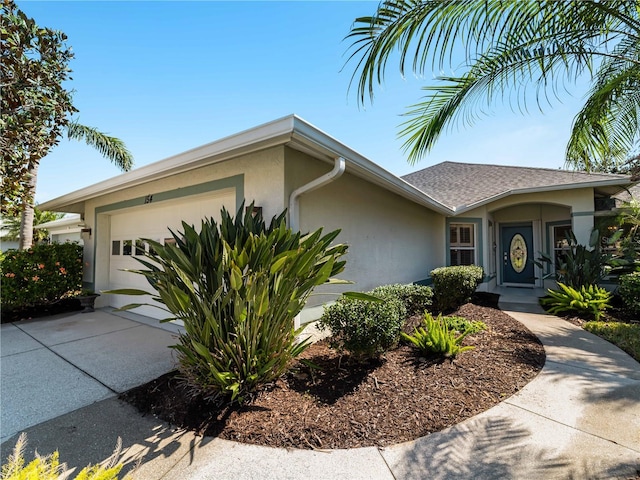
(110, 147)
(515, 50)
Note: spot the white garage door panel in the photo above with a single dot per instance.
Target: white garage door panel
(153, 221)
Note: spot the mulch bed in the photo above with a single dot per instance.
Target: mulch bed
(348, 404)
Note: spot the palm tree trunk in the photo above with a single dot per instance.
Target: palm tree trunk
(28, 203)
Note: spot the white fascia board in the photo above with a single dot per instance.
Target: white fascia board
(290, 130)
(621, 182)
(270, 134)
(74, 221)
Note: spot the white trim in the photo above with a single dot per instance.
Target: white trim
(296, 133)
(66, 222)
(291, 131)
(549, 188)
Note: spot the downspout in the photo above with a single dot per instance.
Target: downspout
(294, 215)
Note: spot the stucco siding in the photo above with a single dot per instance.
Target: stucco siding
(258, 176)
(263, 177)
(391, 240)
(543, 210)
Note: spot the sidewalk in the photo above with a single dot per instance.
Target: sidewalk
(579, 418)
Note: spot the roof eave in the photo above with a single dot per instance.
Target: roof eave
(618, 182)
(291, 130)
(264, 136)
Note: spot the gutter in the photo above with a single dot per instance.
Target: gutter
(620, 182)
(339, 167)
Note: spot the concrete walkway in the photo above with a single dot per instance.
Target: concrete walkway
(579, 418)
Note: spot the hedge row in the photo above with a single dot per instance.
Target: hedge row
(40, 275)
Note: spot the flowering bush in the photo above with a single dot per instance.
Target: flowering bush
(41, 275)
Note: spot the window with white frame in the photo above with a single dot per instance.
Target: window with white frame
(462, 244)
(561, 243)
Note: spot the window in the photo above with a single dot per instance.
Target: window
(127, 246)
(115, 247)
(140, 248)
(462, 244)
(561, 242)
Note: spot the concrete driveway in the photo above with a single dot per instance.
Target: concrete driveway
(55, 365)
(579, 418)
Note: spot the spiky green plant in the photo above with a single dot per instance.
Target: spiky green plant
(50, 468)
(463, 325)
(435, 337)
(237, 286)
(591, 300)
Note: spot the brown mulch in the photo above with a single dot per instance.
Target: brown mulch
(348, 404)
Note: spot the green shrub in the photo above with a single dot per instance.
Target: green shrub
(40, 275)
(364, 328)
(50, 468)
(625, 336)
(436, 337)
(237, 287)
(630, 291)
(416, 298)
(591, 300)
(453, 286)
(462, 325)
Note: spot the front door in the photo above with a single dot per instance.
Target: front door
(517, 254)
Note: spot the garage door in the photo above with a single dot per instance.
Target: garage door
(153, 221)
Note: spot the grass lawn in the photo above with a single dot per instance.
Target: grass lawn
(624, 335)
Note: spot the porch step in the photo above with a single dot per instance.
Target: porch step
(520, 299)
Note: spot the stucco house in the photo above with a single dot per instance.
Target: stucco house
(66, 229)
(398, 229)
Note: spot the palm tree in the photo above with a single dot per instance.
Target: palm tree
(13, 226)
(36, 110)
(110, 147)
(516, 51)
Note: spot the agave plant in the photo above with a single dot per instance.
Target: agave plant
(237, 287)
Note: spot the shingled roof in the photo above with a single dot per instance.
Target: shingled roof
(461, 186)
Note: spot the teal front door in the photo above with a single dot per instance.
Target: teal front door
(517, 254)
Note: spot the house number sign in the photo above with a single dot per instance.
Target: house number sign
(518, 253)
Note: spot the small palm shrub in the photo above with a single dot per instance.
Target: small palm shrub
(416, 298)
(591, 300)
(462, 325)
(453, 286)
(237, 287)
(630, 291)
(50, 468)
(580, 264)
(364, 328)
(434, 337)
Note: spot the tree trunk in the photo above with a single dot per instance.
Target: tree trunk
(28, 203)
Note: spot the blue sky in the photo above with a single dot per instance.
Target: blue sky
(169, 76)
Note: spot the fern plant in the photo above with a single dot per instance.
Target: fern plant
(591, 300)
(462, 325)
(435, 337)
